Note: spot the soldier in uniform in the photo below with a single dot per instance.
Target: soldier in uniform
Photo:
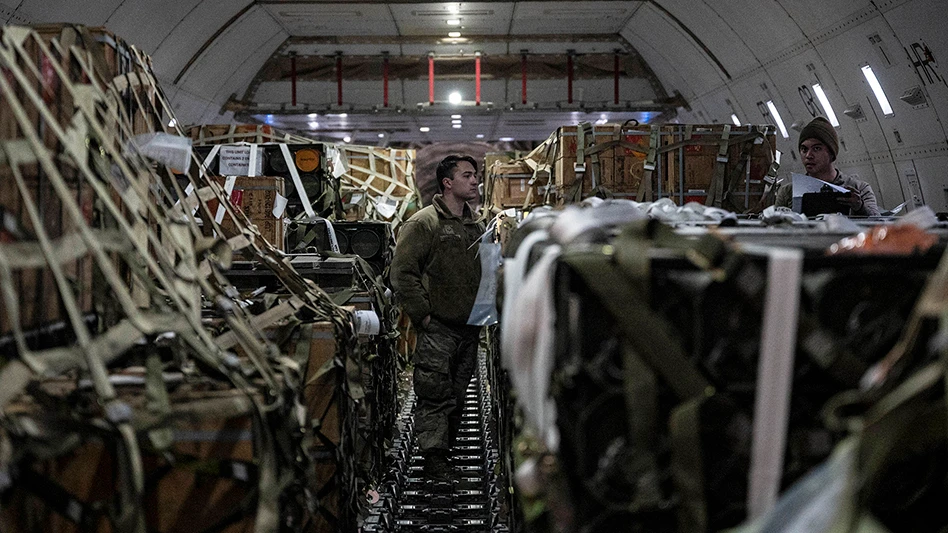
(818, 147)
(436, 273)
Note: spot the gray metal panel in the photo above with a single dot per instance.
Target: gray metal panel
(190, 34)
(715, 33)
(816, 16)
(339, 19)
(244, 45)
(477, 18)
(571, 17)
(69, 11)
(763, 26)
(934, 181)
(159, 19)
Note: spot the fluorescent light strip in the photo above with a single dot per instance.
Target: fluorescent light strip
(877, 89)
(735, 120)
(776, 115)
(827, 108)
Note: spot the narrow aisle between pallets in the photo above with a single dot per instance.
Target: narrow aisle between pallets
(470, 502)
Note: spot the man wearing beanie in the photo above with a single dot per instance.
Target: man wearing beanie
(818, 148)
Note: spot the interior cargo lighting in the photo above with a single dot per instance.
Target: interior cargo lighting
(455, 116)
(313, 115)
(454, 22)
(456, 121)
(480, 135)
(877, 90)
(173, 123)
(454, 34)
(424, 129)
(735, 120)
(454, 7)
(381, 135)
(506, 139)
(347, 139)
(314, 125)
(827, 108)
(455, 98)
(777, 119)
(456, 126)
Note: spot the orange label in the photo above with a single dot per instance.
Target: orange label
(307, 160)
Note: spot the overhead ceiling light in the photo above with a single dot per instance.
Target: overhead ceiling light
(456, 121)
(602, 121)
(480, 135)
(454, 22)
(172, 123)
(456, 126)
(381, 135)
(314, 125)
(735, 120)
(454, 34)
(455, 98)
(343, 115)
(505, 139)
(777, 119)
(827, 108)
(347, 139)
(313, 115)
(455, 116)
(877, 90)
(454, 7)
(424, 129)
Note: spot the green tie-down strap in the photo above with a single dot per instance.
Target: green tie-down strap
(619, 276)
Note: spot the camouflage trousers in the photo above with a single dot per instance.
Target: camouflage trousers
(444, 363)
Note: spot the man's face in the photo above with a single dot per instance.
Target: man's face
(817, 158)
(463, 184)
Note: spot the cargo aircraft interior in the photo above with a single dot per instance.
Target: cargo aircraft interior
(644, 266)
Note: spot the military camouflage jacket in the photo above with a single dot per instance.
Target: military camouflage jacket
(436, 269)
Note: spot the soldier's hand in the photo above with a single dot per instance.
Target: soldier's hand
(852, 200)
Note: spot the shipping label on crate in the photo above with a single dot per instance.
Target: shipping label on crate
(235, 161)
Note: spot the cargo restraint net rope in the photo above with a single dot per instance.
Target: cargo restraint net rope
(167, 274)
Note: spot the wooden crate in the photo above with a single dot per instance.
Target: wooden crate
(255, 197)
(509, 184)
(619, 168)
(687, 172)
(187, 495)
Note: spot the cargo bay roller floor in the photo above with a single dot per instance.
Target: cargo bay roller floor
(472, 502)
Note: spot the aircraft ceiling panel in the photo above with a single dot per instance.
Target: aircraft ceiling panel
(818, 16)
(243, 46)
(664, 46)
(71, 11)
(188, 107)
(342, 19)
(763, 26)
(191, 33)
(713, 31)
(476, 18)
(160, 18)
(246, 68)
(571, 17)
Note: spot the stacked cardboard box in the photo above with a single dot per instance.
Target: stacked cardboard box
(257, 198)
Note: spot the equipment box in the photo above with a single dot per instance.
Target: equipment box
(257, 198)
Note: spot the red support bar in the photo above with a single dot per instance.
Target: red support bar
(477, 78)
(615, 69)
(339, 78)
(569, 78)
(523, 78)
(385, 81)
(293, 77)
(430, 79)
